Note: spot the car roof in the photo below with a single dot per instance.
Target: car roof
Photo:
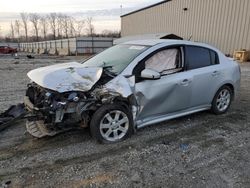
(153, 42)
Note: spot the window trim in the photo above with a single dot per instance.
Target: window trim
(217, 60)
(209, 49)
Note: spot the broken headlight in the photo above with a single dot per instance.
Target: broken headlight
(73, 97)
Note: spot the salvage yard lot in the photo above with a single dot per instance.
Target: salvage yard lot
(194, 151)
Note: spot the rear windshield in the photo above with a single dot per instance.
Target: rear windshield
(117, 57)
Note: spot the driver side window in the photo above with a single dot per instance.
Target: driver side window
(165, 62)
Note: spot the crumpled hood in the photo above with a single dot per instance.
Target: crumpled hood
(66, 77)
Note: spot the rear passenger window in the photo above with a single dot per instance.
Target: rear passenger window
(214, 58)
(197, 57)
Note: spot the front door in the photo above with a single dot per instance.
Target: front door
(170, 93)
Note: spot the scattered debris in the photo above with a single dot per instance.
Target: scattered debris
(166, 142)
(136, 178)
(30, 57)
(5, 184)
(14, 113)
(184, 147)
(16, 56)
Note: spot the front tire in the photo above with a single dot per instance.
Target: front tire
(222, 100)
(111, 123)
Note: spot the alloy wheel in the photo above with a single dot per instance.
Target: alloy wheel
(223, 100)
(114, 125)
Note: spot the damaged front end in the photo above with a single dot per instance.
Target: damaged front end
(55, 111)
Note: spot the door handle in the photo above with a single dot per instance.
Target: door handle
(215, 73)
(185, 82)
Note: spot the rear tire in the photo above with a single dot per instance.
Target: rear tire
(111, 123)
(222, 100)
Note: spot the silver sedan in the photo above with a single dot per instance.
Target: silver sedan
(132, 85)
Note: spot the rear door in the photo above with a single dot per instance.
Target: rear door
(203, 64)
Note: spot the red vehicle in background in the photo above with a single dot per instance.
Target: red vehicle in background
(7, 50)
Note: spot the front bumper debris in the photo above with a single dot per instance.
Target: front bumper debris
(13, 114)
(29, 105)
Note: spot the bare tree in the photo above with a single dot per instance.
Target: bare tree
(12, 31)
(52, 18)
(110, 33)
(72, 28)
(43, 23)
(24, 17)
(90, 26)
(59, 23)
(65, 21)
(106, 32)
(79, 27)
(34, 19)
(17, 28)
(65, 25)
(91, 31)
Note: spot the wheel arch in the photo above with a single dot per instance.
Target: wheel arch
(214, 106)
(229, 84)
(124, 102)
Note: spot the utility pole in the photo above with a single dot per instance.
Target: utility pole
(121, 9)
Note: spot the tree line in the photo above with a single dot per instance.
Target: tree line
(52, 26)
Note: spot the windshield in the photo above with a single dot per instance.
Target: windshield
(116, 58)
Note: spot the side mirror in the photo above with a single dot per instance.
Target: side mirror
(150, 74)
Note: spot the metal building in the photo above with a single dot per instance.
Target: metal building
(221, 23)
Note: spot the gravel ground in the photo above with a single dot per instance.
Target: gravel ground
(200, 150)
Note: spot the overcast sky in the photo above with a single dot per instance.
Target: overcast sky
(106, 13)
(68, 5)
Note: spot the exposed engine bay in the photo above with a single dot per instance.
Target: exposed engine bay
(52, 112)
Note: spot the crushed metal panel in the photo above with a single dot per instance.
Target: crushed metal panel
(66, 77)
(162, 95)
(123, 86)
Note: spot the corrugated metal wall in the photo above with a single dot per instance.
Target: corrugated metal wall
(221, 23)
(79, 45)
(10, 44)
(89, 45)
